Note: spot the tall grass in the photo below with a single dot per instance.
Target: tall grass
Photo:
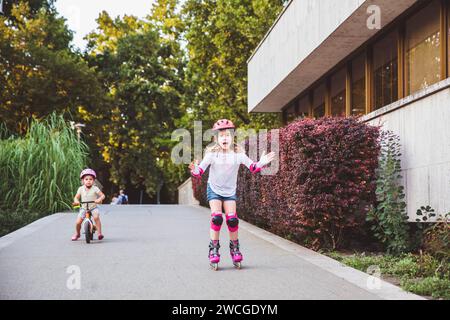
(39, 172)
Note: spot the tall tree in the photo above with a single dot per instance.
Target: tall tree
(140, 64)
(221, 35)
(39, 71)
(34, 5)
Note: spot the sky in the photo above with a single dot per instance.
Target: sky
(81, 14)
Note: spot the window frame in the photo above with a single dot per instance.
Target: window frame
(398, 25)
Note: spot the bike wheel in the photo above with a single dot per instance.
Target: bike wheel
(87, 232)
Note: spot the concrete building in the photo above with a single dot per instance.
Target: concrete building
(387, 61)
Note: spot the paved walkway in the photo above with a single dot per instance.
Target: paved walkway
(160, 252)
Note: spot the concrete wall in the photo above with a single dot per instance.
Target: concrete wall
(423, 123)
(309, 39)
(186, 194)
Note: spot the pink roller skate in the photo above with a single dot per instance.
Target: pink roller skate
(236, 255)
(214, 256)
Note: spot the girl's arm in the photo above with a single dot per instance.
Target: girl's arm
(256, 167)
(76, 199)
(197, 170)
(101, 197)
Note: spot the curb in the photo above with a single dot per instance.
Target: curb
(385, 290)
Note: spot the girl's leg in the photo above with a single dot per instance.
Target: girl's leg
(233, 224)
(78, 225)
(98, 224)
(216, 206)
(216, 224)
(230, 208)
(76, 236)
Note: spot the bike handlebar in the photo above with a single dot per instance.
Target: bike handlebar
(78, 205)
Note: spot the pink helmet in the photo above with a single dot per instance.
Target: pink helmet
(88, 172)
(223, 124)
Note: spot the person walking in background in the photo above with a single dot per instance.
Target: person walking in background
(123, 198)
(115, 199)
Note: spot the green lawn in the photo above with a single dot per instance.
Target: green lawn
(419, 274)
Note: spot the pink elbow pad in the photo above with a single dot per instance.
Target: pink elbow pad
(199, 175)
(254, 168)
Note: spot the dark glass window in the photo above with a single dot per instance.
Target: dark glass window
(359, 85)
(291, 113)
(338, 93)
(423, 48)
(319, 102)
(385, 61)
(303, 107)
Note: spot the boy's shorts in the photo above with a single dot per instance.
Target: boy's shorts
(95, 213)
(211, 195)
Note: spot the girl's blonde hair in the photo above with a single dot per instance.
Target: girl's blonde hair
(217, 148)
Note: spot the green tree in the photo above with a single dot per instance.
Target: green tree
(140, 64)
(34, 5)
(221, 35)
(39, 71)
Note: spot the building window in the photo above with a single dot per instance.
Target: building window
(423, 48)
(385, 70)
(338, 93)
(448, 40)
(299, 109)
(303, 107)
(291, 113)
(358, 86)
(410, 57)
(319, 102)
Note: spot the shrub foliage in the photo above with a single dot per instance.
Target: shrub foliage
(324, 187)
(388, 217)
(39, 172)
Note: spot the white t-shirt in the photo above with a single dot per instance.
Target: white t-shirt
(88, 195)
(224, 170)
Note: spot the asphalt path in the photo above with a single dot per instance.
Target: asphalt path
(156, 252)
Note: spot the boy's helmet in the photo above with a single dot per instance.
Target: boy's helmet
(87, 172)
(223, 124)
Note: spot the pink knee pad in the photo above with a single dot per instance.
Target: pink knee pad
(232, 222)
(216, 221)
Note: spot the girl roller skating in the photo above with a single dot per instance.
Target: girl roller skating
(225, 158)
